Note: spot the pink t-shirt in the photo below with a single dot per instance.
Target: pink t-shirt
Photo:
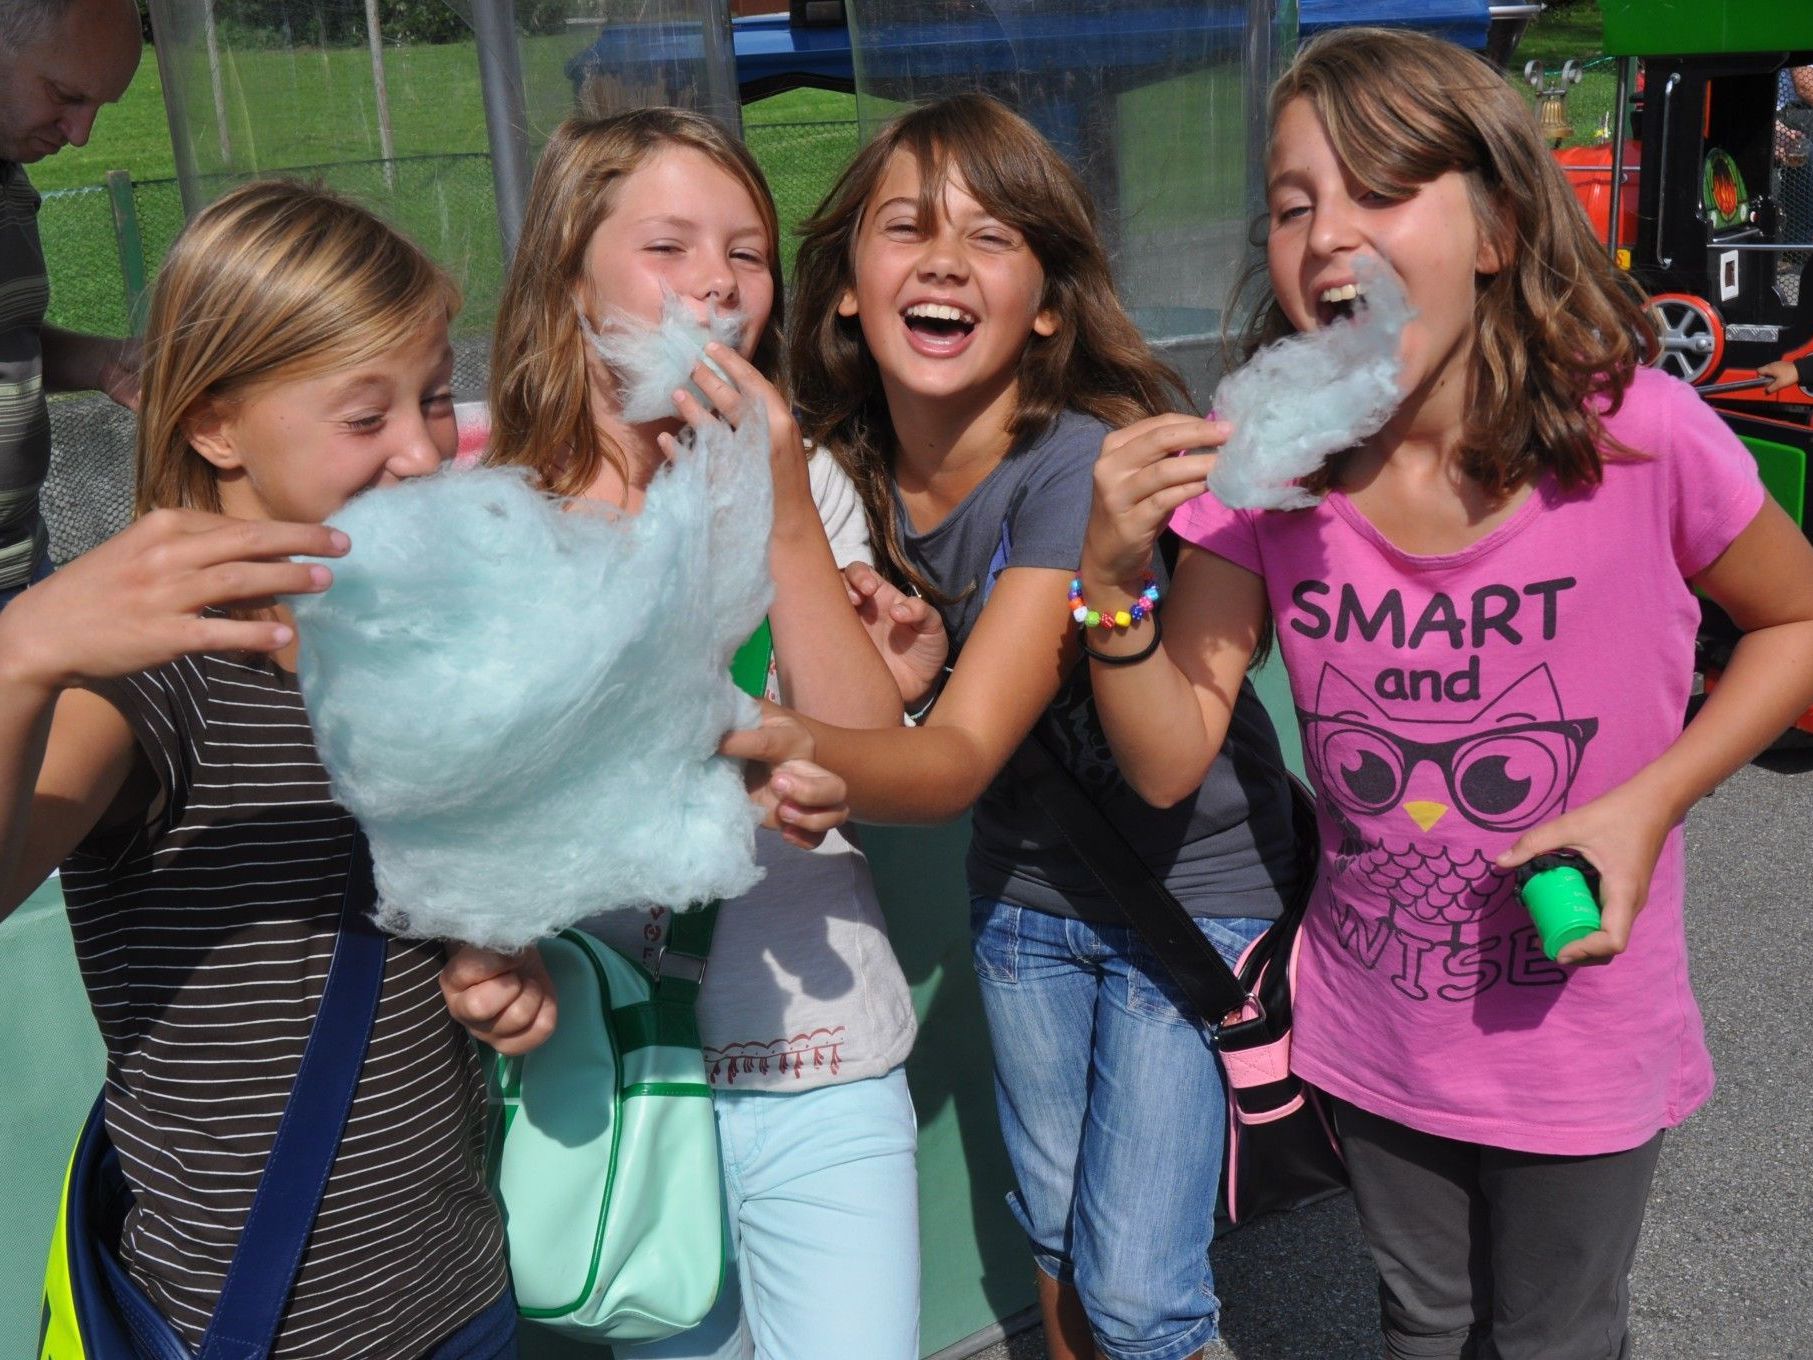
(1450, 703)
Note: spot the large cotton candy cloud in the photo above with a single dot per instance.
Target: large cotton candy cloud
(521, 703)
(652, 362)
(1300, 401)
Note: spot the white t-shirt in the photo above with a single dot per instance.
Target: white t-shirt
(802, 988)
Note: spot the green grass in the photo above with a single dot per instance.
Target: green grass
(314, 108)
(1555, 35)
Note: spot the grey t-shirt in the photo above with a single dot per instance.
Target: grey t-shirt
(1229, 851)
(24, 418)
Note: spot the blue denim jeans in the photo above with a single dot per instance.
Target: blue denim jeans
(1114, 1116)
(822, 1198)
(38, 573)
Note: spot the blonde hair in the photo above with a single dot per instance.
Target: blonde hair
(541, 415)
(1558, 324)
(1096, 362)
(272, 281)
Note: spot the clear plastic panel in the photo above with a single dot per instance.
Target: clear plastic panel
(432, 111)
(1158, 105)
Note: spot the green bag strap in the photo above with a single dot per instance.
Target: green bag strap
(689, 932)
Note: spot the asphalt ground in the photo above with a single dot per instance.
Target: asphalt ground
(1725, 1269)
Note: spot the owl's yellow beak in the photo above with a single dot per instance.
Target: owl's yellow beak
(1425, 814)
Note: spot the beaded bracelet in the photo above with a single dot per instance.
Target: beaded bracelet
(1143, 606)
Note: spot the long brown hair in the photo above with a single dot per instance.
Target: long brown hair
(272, 281)
(1096, 362)
(541, 417)
(1558, 325)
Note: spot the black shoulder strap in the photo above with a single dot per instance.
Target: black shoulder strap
(1193, 963)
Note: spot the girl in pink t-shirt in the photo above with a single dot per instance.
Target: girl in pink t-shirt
(1488, 624)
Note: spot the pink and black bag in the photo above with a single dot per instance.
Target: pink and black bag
(1281, 1148)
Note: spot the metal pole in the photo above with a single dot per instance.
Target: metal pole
(387, 146)
(506, 122)
(212, 37)
(131, 246)
(719, 52)
(1262, 18)
(167, 21)
(1620, 111)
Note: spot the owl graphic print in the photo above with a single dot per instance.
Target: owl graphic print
(1447, 705)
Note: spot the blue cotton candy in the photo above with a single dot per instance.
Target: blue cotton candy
(521, 703)
(653, 362)
(1298, 402)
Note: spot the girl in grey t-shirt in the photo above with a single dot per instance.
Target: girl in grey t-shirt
(958, 344)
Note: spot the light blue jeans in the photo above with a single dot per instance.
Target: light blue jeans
(822, 1195)
(1113, 1112)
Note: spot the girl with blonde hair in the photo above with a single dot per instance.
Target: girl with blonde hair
(804, 1015)
(154, 744)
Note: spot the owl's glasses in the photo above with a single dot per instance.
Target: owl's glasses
(1501, 779)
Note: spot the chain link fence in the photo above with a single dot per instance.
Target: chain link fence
(103, 250)
(1792, 188)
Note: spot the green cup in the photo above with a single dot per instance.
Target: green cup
(1557, 891)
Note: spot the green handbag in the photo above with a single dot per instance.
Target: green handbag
(607, 1161)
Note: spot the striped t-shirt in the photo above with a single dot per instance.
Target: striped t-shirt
(24, 418)
(204, 938)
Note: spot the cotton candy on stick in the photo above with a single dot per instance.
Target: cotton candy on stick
(652, 362)
(1298, 402)
(521, 704)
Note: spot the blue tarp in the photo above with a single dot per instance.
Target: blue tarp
(773, 55)
(1460, 21)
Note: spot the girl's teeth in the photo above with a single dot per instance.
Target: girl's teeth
(1346, 293)
(931, 311)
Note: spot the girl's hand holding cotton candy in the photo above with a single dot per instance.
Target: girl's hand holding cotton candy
(1297, 403)
(732, 386)
(1143, 474)
(137, 600)
(652, 360)
(504, 1000)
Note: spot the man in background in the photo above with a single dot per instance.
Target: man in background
(60, 61)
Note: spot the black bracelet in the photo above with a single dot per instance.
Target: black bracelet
(1133, 657)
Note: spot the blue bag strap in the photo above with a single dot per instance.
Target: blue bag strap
(258, 1283)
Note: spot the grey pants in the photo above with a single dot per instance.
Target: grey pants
(1488, 1254)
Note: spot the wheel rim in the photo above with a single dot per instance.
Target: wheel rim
(1692, 338)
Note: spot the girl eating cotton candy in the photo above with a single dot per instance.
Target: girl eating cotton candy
(653, 242)
(499, 674)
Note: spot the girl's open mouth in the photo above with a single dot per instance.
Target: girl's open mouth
(1344, 302)
(939, 327)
